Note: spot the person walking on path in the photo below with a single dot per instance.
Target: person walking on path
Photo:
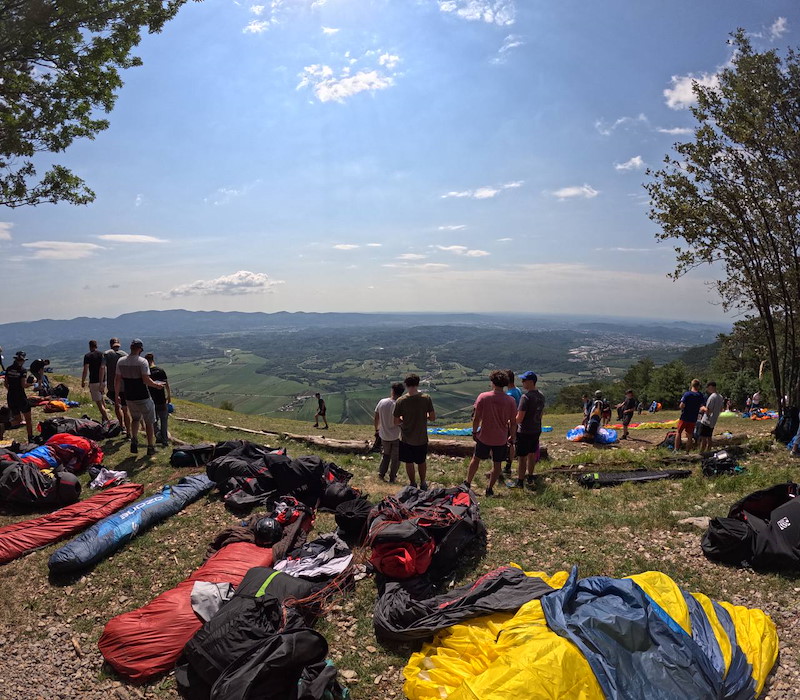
(133, 378)
(94, 365)
(709, 415)
(114, 355)
(494, 427)
(389, 433)
(690, 405)
(15, 380)
(161, 397)
(529, 429)
(628, 406)
(412, 412)
(321, 410)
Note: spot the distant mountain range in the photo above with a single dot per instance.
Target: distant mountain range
(182, 323)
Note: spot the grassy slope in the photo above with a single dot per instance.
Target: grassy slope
(614, 531)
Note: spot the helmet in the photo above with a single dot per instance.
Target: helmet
(268, 531)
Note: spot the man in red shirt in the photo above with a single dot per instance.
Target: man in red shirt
(494, 427)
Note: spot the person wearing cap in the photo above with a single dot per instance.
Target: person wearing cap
(494, 427)
(112, 356)
(529, 429)
(94, 364)
(133, 378)
(15, 380)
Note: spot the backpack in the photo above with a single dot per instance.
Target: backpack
(23, 484)
(192, 455)
(720, 463)
(787, 425)
(61, 391)
(669, 441)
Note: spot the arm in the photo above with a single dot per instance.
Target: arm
(376, 421)
(512, 426)
(169, 392)
(117, 386)
(85, 372)
(148, 380)
(103, 372)
(520, 417)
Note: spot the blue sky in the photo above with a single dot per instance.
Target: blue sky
(386, 155)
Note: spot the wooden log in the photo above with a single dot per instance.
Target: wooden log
(348, 446)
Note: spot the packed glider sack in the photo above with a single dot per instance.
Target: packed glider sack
(23, 484)
(106, 537)
(76, 453)
(18, 538)
(145, 642)
(85, 427)
(599, 479)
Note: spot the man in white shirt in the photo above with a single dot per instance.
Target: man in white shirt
(708, 416)
(389, 434)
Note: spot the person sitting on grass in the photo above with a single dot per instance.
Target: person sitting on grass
(690, 405)
(494, 427)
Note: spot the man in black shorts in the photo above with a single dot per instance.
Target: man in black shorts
(628, 406)
(15, 380)
(412, 411)
(114, 355)
(529, 429)
(94, 365)
(321, 410)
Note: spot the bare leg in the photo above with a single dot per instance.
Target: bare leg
(412, 477)
(28, 425)
(423, 471)
(472, 469)
(497, 468)
(522, 467)
(151, 434)
(101, 406)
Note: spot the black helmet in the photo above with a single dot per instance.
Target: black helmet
(268, 531)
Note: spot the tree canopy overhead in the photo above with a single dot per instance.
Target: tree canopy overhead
(730, 197)
(60, 63)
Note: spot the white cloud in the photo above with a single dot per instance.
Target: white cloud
(585, 191)
(635, 163)
(477, 253)
(345, 246)
(328, 88)
(504, 240)
(779, 27)
(452, 227)
(463, 250)
(500, 12)
(224, 195)
(256, 26)
(512, 41)
(5, 230)
(626, 123)
(131, 238)
(257, 9)
(411, 256)
(675, 130)
(138, 201)
(374, 245)
(242, 282)
(388, 60)
(681, 95)
(62, 250)
(432, 267)
(486, 192)
(330, 31)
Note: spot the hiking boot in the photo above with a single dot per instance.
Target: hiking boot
(515, 483)
(134, 446)
(489, 492)
(423, 485)
(151, 449)
(507, 468)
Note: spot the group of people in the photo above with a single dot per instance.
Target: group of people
(506, 423)
(137, 388)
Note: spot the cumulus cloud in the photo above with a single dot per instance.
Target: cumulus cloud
(130, 238)
(345, 246)
(606, 128)
(388, 60)
(512, 41)
(584, 191)
(486, 192)
(330, 31)
(500, 12)
(675, 130)
(779, 27)
(411, 256)
(256, 26)
(257, 9)
(463, 250)
(635, 163)
(5, 230)
(328, 87)
(62, 250)
(239, 283)
(681, 94)
(138, 201)
(452, 227)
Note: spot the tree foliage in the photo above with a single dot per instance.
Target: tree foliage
(730, 197)
(60, 63)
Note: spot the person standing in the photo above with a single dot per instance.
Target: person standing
(755, 403)
(513, 391)
(628, 406)
(15, 380)
(94, 364)
(529, 429)
(389, 433)
(161, 397)
(709, 415)
(112, 356)
(690, 405)
(133, 378)
(321, 410)
(412, 411)
(494, 426)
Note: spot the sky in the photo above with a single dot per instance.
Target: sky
(387, 155)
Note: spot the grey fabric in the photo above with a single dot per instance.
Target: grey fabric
(207, 598)
(326, 556)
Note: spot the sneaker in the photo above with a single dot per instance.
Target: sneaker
(466, 484)
(489, 492)
(515, 483)
(507, 468)
(151, 449)
(423, 485)
(134, 446)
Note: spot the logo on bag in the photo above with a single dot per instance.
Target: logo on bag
(783, 523)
